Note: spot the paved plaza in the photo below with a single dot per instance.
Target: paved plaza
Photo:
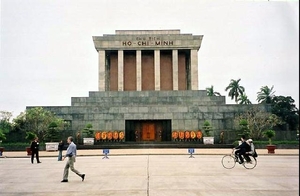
(149, 174)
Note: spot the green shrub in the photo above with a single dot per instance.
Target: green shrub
(269, 134)
(30, 136)
(207, 128)
(19, 146)
(88, 130)
(277, 142)
(2, 135)
(265, 142)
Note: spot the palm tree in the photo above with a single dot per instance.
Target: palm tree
(265, 95)
(235, 89)
(243, 99)
(210, 91)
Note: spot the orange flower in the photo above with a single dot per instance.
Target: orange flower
(175, 134)
(109, 135)
(97, 135)
(181, 135)
(121, 135)
(199, 134)
(193, 134)
(115, 135)
(103, 135)
(187, 134)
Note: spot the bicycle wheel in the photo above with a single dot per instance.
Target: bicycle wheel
(228, 161)
(251, 164)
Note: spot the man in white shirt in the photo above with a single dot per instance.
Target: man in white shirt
(71, 153)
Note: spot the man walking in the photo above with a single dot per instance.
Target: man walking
(71, 154)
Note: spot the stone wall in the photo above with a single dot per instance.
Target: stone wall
(187, 110)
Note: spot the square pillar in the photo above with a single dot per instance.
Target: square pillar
(138, 70)
(101, 70)
(194, 70)
(120, 70)
(175, 69)
(157, 69)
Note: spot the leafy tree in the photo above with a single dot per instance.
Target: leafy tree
(2, 136)
(19, 123)
(54, 130)
(235, 90)
(5, 115)
(5, 124)
(210, 91)
(258, 121)
(36, 120)
(285, 108)
(18, 130)
(265, 95)
(244, 128)
(30, 136)
(243, 99)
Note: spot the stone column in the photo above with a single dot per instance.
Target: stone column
(175, 69)
(157, 69)
(194, 70)
(101, 70)
(120, 70)
(138, 70)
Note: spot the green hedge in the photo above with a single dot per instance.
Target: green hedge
(19, 146)
(276, 142)
(287, 142)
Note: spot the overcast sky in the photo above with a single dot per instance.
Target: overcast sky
(48, 55)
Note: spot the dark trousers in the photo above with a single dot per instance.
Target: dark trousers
(59, 155)
(240, 153)
(36, 153)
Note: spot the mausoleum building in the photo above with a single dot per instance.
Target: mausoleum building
(148, 90)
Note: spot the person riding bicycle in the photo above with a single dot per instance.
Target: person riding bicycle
(241, 151)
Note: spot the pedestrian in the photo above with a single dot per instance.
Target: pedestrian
(221, 137)
(71, 154)
(60, 149)
(35, 150)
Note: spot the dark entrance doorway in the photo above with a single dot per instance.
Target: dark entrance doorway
(148, 130)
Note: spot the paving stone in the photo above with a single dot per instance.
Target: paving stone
(149, 174)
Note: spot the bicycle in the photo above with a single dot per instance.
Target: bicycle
(229, 161)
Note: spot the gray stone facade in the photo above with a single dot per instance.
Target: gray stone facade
(187, 110)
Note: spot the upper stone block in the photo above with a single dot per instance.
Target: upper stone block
(147, 39)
